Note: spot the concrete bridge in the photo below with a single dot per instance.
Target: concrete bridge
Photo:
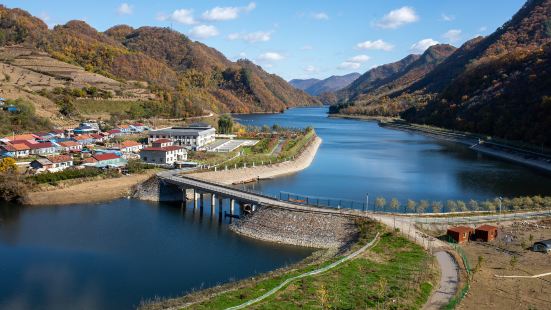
(214, 190)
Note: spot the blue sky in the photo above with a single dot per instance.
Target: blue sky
(297, 39)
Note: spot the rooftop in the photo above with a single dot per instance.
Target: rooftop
(182, 131)
(461, 229)
(60, 158)
(106, 156)
(486, 228)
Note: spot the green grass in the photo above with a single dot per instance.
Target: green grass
(357, 284)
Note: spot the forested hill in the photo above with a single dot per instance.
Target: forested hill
(178, 69)
(498, 85)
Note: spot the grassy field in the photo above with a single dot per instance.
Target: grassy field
(395, 274)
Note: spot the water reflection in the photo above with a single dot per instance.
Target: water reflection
(112, 255)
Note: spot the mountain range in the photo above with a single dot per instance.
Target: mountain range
(496, 85)
(316, 87)
(177, 70)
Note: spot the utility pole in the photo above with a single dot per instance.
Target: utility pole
(499, 218)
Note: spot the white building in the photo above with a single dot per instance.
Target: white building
(194, 136)
(167, 155)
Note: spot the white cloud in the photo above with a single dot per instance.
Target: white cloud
(268, 66)
(182, 16)
(421, 46)
(320, 16)
(306, 48)
(252, 37)
(397, 18)
(125, 9)
(447, 18)
(348, 65)
(204, 31)
(227, 13)
(375, 45)
(359, 58)
(310, 69)
(483, 29)
(270, 56)
(452, 35)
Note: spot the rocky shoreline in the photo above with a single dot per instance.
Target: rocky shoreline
(305, 229)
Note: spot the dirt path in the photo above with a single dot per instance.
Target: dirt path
(88, 192)
(448, 267)
(449, 280)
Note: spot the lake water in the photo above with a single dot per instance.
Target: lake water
(112, 255)
(359, 157)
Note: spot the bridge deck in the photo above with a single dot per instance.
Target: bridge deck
(249, 197)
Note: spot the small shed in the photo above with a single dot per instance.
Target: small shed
(460, 234)
(486, 233)
(542, 246)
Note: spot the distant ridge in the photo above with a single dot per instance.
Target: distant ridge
(316, 87)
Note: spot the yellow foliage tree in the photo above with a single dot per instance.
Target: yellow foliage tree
(7, 164)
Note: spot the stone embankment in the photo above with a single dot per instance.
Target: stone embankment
(232, 176)
(297, 228)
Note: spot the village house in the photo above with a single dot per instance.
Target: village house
(167, 155)
(41, 164)
(41, 148)
(15, 150)
(138, 127)
(104, 160)
(98, 137)
(125, 129)
(70, 146)
(130, 146)
(58, 133)
(194, 136)
(113, 133)
(84, 139)
(162, 143)
(52, 163)
(45, 136)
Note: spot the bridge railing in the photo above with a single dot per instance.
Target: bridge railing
(322, 201)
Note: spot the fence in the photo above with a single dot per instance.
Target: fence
(456, 300)
(322, 201)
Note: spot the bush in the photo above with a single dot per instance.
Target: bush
(54, 177)
(12, 187)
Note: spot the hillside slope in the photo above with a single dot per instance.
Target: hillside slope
(181, 72)
(498, 85)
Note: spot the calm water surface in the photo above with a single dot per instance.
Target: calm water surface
(112, 255)
(359, 157)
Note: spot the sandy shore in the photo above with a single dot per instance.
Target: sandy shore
(264, 172)
(88, 192)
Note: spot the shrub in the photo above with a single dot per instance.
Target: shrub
(54, 177)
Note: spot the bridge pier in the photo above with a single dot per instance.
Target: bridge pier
(201, 196)
(220, 206)
(232, 206)
(194, 199)
(212, 203)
